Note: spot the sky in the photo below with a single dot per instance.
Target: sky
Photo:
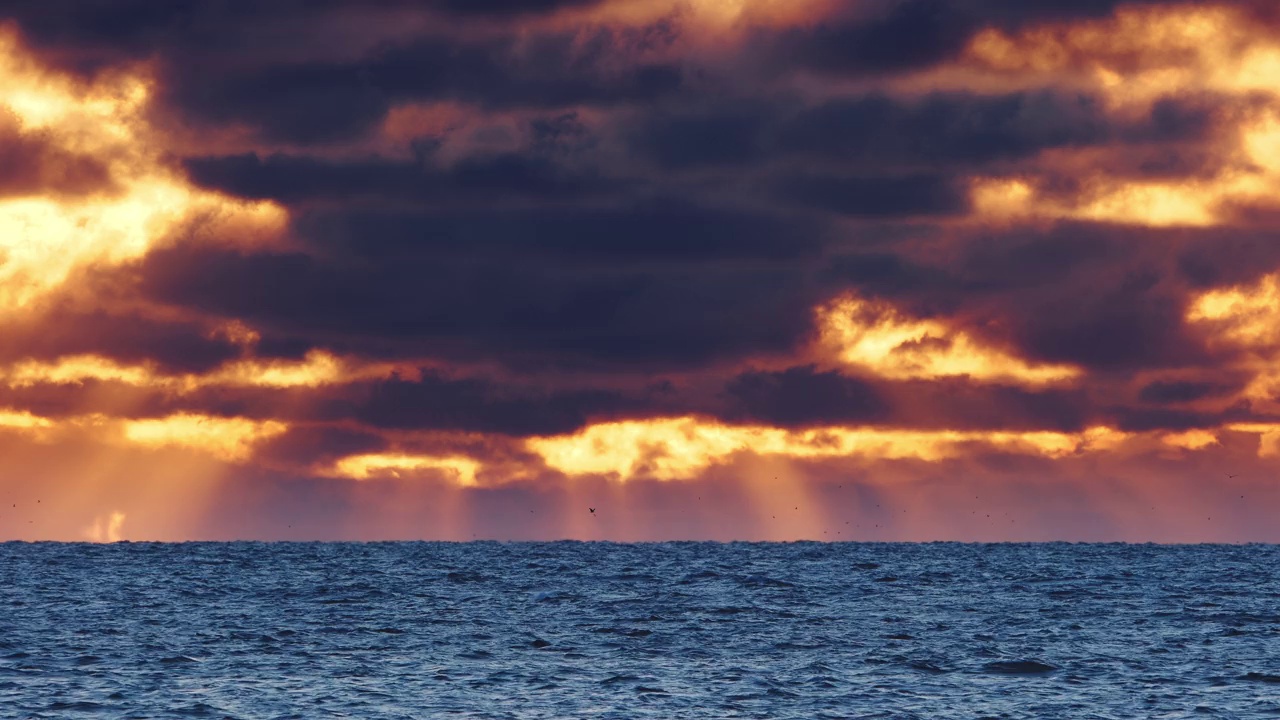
(976, 270)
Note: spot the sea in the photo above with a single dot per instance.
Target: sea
(662, 630)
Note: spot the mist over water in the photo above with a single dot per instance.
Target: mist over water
(669, 630)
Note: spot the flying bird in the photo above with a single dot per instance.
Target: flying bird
(593, 510)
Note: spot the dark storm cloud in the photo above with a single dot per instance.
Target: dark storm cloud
(803, 396)
(1234, 258)
(1097, 297)
(31, 164)
(1123, 327)
(958, 131)
(986, 268)
(1103, 297)
(316, 101)
(250, 63)
(659, 230)
(945, 128)
(141, 27)
(720, 136)
(506, 7)
(314, 444)
(1147, 419)
(685, 218)
(174, 346)
(901, 35)
(959, 403)
(294, 179)
(1184, 391)
(511, 306)
(808, 397)
(86, 397)
(877, 197)
(363, 417)
(433, 402)
(438, 403)
(886, 274)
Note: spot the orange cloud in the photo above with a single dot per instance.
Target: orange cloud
(683, 448)
(317, 369)
(1140, 53)
(461, 470)
(43, 240)
(1247, 316)
(228, 439)
(1132, 59)
(1191, 439)
(713, 15)
(1268, 436)
(877, 338)
(22, 420)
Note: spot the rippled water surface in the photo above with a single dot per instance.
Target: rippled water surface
(563, 630)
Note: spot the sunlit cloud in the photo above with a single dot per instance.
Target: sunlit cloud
(44, 239)
(73, 369)
(879, 339)
(229, 439)
(461, 470)
(22, 420)
(1192, 439)
(317, 369)
(718, 16)
(682, 448)
(1268, 436)
(1131, 60)
(1140, 53)
(1247, 318)
(699, 100)
(1243, 315)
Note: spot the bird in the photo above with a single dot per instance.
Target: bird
(593, 510)
(1229, 476)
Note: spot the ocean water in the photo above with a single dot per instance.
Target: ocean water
(670, 630)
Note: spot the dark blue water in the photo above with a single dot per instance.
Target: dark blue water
(676, 630)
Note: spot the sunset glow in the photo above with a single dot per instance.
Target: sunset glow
(460, 273)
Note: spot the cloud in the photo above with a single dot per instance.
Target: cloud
(1182, 391)
(131, 338)
(430, 257)
(877, 197)
(323, 101)
(803, 396)
(538, 290)
(33, 165)
(474, 180)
